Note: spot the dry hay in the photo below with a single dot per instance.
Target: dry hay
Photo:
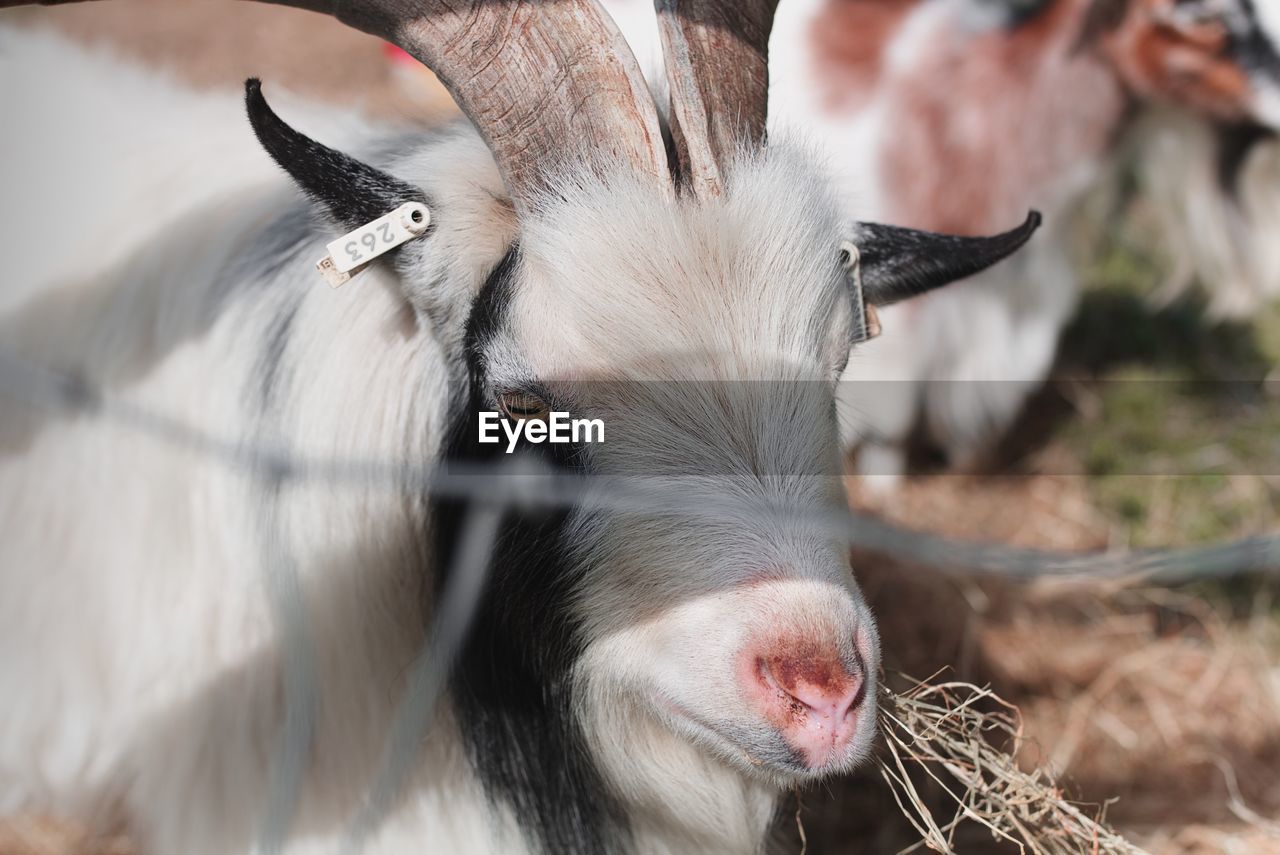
(966, 739)
(1150, 702)
(1157, 698)
(1163, 705)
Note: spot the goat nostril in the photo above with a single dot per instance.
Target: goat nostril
(772, 681)
(823, 691)
(767, 677)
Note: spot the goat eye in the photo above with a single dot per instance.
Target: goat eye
(521, 406)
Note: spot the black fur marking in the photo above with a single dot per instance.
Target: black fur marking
(353, 192)
(1257, 55)
(277, 342)
(510, 686)
(898, 263)
(1256, 52)
(1021, 12)
(1235, 142)
(276, 249)
(1102, 17)
(283, 244)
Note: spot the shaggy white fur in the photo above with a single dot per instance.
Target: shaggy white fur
(140, 647)
(1224, 240)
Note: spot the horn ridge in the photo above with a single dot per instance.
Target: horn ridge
(717, 55)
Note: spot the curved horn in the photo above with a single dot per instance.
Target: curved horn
(717, 56)
(898, 263)
(541, 79)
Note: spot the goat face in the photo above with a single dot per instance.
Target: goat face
(1219, 58)
(707, 334)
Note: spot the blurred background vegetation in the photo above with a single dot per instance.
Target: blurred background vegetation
(1165, 391)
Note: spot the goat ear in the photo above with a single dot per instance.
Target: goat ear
(353, 192)
(898, 263)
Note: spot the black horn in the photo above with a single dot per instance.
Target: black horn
(898, 263)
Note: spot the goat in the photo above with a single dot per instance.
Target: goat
(640, 682)
(951, 114)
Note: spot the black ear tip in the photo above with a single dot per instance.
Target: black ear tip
(261, 117)
(253, 94)
(1017, 236)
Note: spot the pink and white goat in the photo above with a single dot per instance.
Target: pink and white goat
(958, 114)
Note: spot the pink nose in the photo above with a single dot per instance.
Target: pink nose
(813, 700)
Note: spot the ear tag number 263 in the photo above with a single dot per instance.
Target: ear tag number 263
(350, 253)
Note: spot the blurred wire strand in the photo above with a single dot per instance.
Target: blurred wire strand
(457, 605)
(491, 491)
(523, 485)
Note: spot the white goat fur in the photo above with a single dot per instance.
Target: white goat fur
(136, 627)
(1230, 245)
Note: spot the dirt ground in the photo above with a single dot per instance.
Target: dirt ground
(1164, 706)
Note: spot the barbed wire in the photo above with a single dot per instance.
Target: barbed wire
(299, 675)
(522, 484)
(463, 587)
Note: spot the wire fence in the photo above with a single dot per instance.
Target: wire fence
(493, 490)
(521, 484)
